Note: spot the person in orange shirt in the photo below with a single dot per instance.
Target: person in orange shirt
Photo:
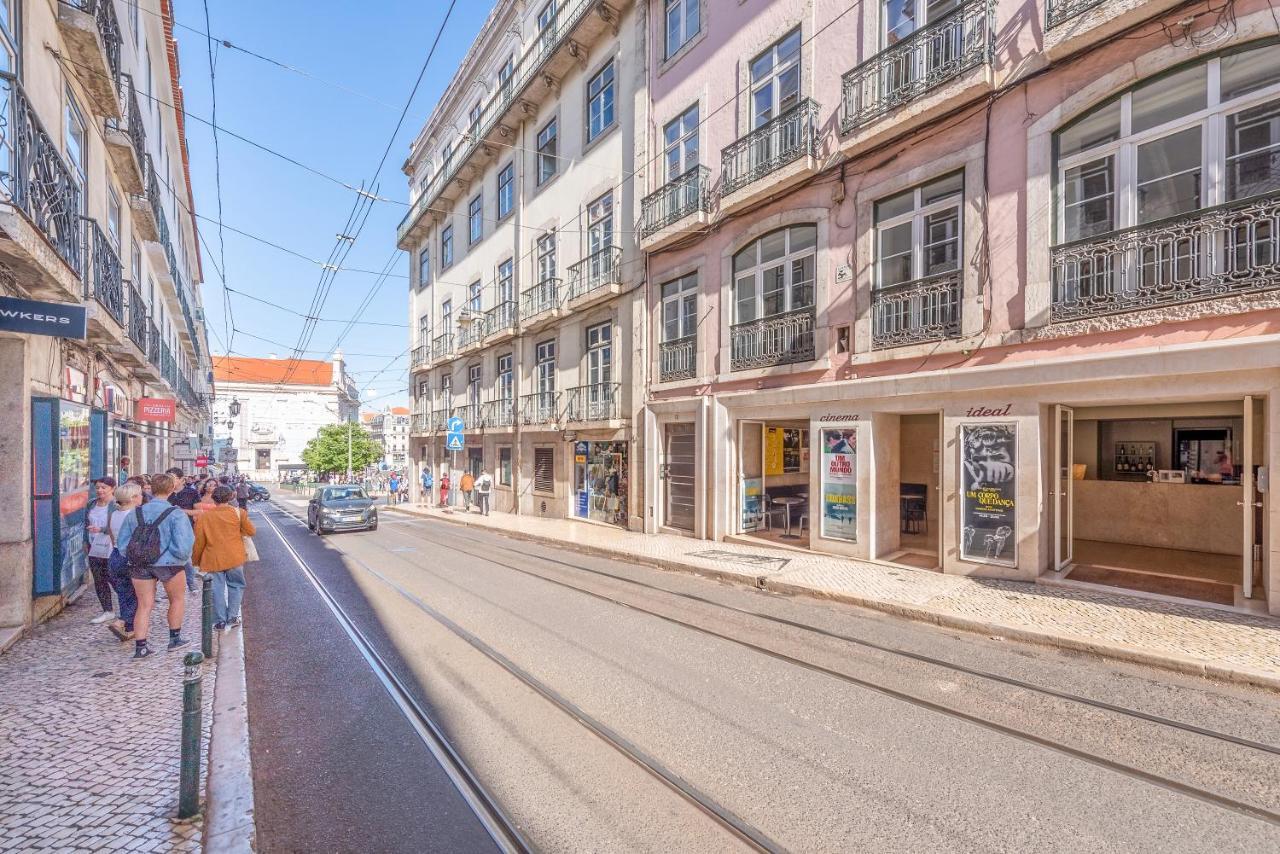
(219, 550)
(467, 484)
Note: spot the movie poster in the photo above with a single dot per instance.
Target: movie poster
(989, 489)
(840, 484)
(752, 503)
(73, 488)
(773, 451)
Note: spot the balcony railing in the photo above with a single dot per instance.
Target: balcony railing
(419, 356)
(1060, 11)
(526, 70)
(439, 420)
(1211, 253)
(777, 340)
(103, 276)
(421, 422)
(929, 57)
(768, 148)
(541, 298)
(442, 345)
(600, 269)
(499, 413)
(913, 312)
(677, 359)
(541, 407)
(473, 332)
(104, 15)
(131, 122)
(470, 414)
(596, 402)
(153, 344)
(675, 200)
(152, 185)
(501, 317)
(137, 318)
(34, 177)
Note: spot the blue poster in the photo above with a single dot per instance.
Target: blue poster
(840, 484)
(752, 503)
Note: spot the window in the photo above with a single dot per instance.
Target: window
(446, 314)
(680, 308)
(474, 291)
(505, 73)
(547, 26)
(504, 377)
(446, 247)
(77, 146)
(424, 390)
(446, 157)
(775, 79)
(475, 219)
(133, 18)
(544, 469)
(599, 355)
(424, 328)
(504, 465)
(424, 267)
(506, 190)
(135, 262)
(680, 143)
(113, 217)
(547, 256)
(548, 162)
(844, 339)
(506, 286)
(8, 36)
(545, 366)
(918, 232)
(262, 459)
(473, 385)
(600, 102)
(599, 230)
(683, 23)
(446, 388)
(473, 120)
(774, 275)
(903, 17)
(1156, 151)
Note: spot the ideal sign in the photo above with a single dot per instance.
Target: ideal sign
(156, 409)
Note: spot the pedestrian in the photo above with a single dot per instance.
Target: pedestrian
(98, 533)
(143, 483)
(484, 486)
(242, 493)
(128, 496)
(467, 485)
(220, 551)
(393, 487)
(205, 503)
(185, 499)
(444, 489)
(425, 498)
(123, 474)
(162, 554)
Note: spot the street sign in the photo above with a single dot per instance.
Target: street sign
(226, 454)
(454, 425)
(453, 441)
(202, 462)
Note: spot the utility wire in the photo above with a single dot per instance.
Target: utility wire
(228, 316)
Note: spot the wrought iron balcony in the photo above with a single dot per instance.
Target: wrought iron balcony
(675, 200)
(780, 339)
(600, 269)
(126, 138)
(104, 15)
(1060, 11)
(421, 422)
(154, 353)
(34, 177)
(913, 312)
(470, 414)
(137, 318)
(541, 407)
(471, 334)
(596, 402)
(500, 318)
(540, 299)
(442, 345)
(927, 58)
(103, 275)
(1212, 253)
(419, 356)
(677, 359)
(768, 148)
(499, 413)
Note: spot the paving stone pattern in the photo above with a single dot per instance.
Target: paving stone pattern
(1226, 640)
(90, 740)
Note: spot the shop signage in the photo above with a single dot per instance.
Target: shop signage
(836, 418)
(989, 490)
(226, 454)
(156, 409)
(988, 412)
(42, 318)
(202, 462)
(840, 484)
(182, 450)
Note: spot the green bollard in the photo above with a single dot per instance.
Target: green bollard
(189, 777)
(206, 616)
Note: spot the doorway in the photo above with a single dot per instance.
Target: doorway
(773, 481)
(910, 487)
(679, 475)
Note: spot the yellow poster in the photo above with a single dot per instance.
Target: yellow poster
(773, 451)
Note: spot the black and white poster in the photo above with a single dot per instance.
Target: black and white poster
(989, 493)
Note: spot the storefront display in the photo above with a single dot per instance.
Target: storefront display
(840, 484)
(989, 493)
(600, 481)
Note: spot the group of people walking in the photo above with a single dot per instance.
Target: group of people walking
(477, 490)
(164, 530)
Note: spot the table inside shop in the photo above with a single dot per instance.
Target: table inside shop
(788, 501)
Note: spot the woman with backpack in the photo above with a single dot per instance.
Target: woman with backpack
(156, 539)
(220, 551)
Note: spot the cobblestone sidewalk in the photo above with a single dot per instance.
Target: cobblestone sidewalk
(90, 739)
(1223, 644)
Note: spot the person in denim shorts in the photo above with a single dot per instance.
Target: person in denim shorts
(176, 540)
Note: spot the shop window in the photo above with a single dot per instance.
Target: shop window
(544, 470)
(775, 274)
(504, 466)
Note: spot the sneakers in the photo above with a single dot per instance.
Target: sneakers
(143, 652)
(104, 617)
(235, 623)
(117, 628)
(179, 641)
(217, 627)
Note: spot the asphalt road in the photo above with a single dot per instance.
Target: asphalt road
(810, 740)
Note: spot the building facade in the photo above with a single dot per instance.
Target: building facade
(987, 288)
(525, 273)
(95, 217)
(268, 409)
(390, 429)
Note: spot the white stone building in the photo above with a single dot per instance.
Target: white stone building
(390, 429)
(281, 403)
(525, 302)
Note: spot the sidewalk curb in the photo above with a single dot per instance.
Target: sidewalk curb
(229, 824)
(999, 631)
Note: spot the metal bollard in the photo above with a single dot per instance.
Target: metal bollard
(206, 616)
(189, 776)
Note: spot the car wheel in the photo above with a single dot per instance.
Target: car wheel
(311, 526)
(320, 532)
(373, 526)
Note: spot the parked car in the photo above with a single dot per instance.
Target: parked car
(341, 508)
(258, 492)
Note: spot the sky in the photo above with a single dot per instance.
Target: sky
(359, 62)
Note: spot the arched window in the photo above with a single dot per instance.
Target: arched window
(1154, 159)
(774, 274)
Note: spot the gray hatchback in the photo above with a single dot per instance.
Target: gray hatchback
(341, 508)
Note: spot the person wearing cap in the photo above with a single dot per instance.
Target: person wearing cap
(98, 533)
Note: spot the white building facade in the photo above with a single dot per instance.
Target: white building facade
(390, 429)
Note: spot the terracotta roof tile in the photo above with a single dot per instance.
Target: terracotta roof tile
(244, 370)
(399, 410)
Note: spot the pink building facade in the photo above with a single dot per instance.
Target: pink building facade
(983, 288)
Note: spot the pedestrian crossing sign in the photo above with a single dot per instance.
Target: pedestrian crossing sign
(453, 441)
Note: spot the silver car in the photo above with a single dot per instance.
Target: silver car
(341, 508)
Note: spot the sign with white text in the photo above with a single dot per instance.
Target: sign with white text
(33, 317)
(989, 493)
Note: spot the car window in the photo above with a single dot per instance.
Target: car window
(341, 494)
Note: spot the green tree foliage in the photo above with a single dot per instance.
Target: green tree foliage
(327, 451)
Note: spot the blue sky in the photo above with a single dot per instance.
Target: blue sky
(375, 49)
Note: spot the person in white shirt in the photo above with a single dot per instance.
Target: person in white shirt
(99, 536)
(484, 486)
(128, 496)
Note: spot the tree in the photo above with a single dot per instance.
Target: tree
(327, 451)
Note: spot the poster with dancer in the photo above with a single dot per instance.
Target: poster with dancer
(989, 490)
(840, 484)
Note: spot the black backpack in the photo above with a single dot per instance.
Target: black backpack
(144, 547)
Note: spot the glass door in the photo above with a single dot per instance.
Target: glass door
(1063, 457)
(1249, 500)
(751, 513)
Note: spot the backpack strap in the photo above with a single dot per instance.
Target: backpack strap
(137, 515)
(166, 512)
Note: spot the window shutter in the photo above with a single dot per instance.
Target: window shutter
(543, 469)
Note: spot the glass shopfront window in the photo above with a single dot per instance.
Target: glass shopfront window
(600, 481)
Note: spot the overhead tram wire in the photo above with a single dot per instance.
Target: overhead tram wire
(228, 314)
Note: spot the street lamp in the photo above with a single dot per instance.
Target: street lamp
(233, 408)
